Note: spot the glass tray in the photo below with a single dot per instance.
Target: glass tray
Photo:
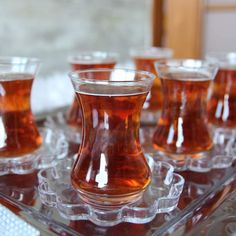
(221, 222)
(20, 194)
(202, 193)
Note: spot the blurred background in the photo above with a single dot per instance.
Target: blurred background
(54, 29)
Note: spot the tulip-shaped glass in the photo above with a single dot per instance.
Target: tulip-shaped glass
(18, 131)
(222, 103)
(111, 169)
(182, 129)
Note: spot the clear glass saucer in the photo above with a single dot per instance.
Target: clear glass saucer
(161, 196)
(221, 156)
(53, 148)
(58, 122)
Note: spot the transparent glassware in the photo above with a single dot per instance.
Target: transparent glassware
(111, 169)
(19, 133)
(182, 130)
(84, 61)
(144, 59)
(222, 102)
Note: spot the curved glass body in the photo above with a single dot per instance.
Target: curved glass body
(84, 61)
(144, 59)
(222, 103)
(19, 133)
(111, 169)
(182, 127)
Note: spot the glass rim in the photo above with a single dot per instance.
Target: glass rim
(221, 53)
(15, 60)
(186, 63)
(91, 57)
(222, 58)
(152, 52)
(74, 76)
(184, 66)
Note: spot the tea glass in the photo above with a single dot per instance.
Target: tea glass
(110, 169)
(84, 61)
(221, 107)
(144, 59)
(19, 133)
(182, 130)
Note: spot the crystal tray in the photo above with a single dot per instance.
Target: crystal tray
(221, 156)
(221, 222)
(161, 196)
(53, 148)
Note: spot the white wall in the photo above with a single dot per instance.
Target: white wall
(52, 29)
(220, 29)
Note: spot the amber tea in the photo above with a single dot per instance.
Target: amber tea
(182, 127)
(116, 155)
